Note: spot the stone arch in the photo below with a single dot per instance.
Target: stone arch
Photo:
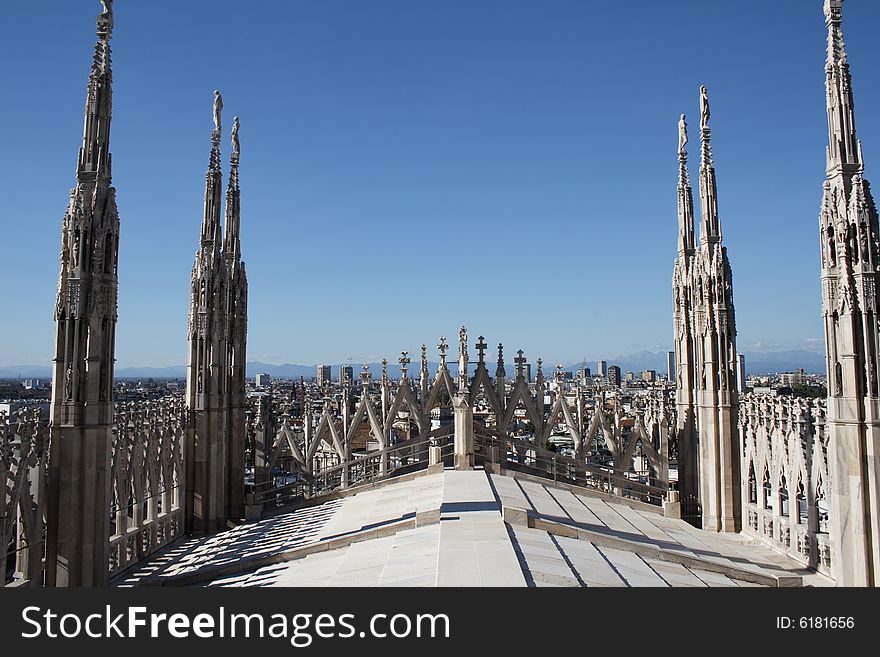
(767, 488)
(782, 496)
(752, 483)
(821, 512)
(802, 505)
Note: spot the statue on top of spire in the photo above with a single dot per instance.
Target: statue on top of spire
(236, 149)
(218, 107)
(682, 136)
(704, 108)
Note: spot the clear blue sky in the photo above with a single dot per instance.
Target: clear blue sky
(411, 165)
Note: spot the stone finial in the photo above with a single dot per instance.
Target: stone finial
(384, 371)
(499, 371)
(539, 375)
(481, 348)
(558, 374)
(423, 372)
(520, 363)
(442, 347)
(105, 19)
(404, 361)
(462, 358)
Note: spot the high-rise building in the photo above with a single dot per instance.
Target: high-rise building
(849, 233)
(324, 375)
(741, 374)
(263, 380)
(583, 374)
(81, 415)
(614, 376)
(649, 376)
(670, 365)
(602, 368)
(346, 374)
(215, 390)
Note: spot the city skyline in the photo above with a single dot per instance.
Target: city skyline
(515, 140)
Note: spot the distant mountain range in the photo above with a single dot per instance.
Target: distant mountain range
(757, 362)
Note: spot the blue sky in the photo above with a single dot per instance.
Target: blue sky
(408, 166)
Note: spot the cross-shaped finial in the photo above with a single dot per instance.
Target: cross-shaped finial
(365, 375)
(500, 370)
(441, 349)
(520, 362)
(481, 347)
(404, 363)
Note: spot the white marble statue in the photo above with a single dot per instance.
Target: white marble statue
(218, 107)
(704, 108)
(682, 135)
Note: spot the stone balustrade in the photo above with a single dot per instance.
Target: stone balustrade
(785, 476)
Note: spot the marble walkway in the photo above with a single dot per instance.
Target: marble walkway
(471, 545)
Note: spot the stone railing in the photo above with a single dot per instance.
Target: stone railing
(147, 479)
(24, 451)
(785, 476)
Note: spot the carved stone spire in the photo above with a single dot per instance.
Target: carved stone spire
(499, 371)
(213, 184)
(848, 226)
(710, 226)
(705, 349)
(462, 359)
(94, 155)
(424, 376)
(81, 415)
(843, 152)
(685, 197)
(232, 242)
(217, 351)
